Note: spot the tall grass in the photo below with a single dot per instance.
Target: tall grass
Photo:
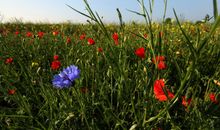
(116, 88)
(215, 9)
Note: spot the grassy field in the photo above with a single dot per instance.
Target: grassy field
(96, 76)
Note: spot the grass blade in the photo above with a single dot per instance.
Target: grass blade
(120, 19)
(192, 49)
(80, 12)
(215, 9)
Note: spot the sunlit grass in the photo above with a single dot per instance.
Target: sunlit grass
(132, 76)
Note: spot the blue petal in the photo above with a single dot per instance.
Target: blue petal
(66, 77)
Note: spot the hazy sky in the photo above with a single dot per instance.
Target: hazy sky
(57, 11)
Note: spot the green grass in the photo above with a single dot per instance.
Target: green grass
(119, 84)
(116, 87)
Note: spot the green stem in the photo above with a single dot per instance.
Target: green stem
(215, 9)
(175, 99)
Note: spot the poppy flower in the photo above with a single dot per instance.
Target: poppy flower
(99, 49)
(161, 65)
(9, 60)
(185, 102)
(40, 34)
(11, 91)
(158, 58)
(91, 41)
(212, 97)
(55, 65)
(55, 33)
(159, 88)
(68, 40)
(115, 38)
(29, 34)
(140, 52)
(82, 37)
(17, 32)
(55, 57)
(160, 61)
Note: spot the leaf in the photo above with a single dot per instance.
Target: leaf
(135, 12)
(133, 127)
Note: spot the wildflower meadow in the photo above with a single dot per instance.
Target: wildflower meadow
(97, 76)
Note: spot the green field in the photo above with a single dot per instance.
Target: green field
(108, 76)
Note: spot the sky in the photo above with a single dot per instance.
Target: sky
(56, 11)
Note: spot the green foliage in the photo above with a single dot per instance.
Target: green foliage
(116, 87)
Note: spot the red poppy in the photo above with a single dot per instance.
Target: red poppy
(185, 102)
(55, 57)
(83, 36)
(159, 88)
(99, 49)
(160, 60)
(140, 52)
(9, 60)
(17, 32)
(161, 65)
(115, 38)
(68, 40)
(55, 65)
(28, 34)
(55, 33)
(212, 97)
(91, 41)
(11, 91)
(40, 34)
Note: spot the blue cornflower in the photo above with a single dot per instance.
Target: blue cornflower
(66, 78)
